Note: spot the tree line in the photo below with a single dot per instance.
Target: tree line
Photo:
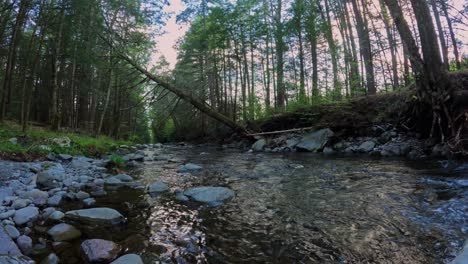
(250, 58)
(56, 67)
(60, 60)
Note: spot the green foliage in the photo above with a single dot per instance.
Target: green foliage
(30, 144)
(117, 161)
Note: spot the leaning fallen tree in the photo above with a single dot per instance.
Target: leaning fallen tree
(200, 105)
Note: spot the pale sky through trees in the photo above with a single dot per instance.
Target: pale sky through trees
(174, 32)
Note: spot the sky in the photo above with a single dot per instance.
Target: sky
(167, 43)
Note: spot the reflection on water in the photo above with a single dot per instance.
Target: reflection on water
(334, 210)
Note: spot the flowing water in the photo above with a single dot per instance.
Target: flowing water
(333, 210)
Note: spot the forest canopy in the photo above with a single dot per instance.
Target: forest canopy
(61, 63)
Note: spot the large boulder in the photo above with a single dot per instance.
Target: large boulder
(209, 194)
(97, 216)
(100, 251)
(51, 177)
(128, 259)
(64, 232)
(259, 145)
(315, 141)
(7, 246)
(25, 215)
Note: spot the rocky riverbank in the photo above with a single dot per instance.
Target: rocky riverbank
(36, 198)
(379, 140)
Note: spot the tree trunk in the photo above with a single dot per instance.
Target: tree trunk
(11, 60)
(443, 45)
(280, 47)
(365, 47)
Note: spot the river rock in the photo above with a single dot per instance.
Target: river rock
(7, 214)
(124, 177)
(209, 194)
(24, 215)
(56, 216)
(51, 177)
(366, 146)
(20, 203)
(82, 195)
(50, 259)
(97, 215)
(38, 197)
(55, 200)
(134, 157)
(259, 145)
(462, 257)
(12, 231)
(63, 142)
(64, 157)
(7, 246)
(88, 202)
(395, 149)
(80, 164)
(158, 187)
(99, 250)
(189, 167)
(5, 192)
(315, 141)
(128, 259)
(64, 232)
(25, 244)
(8, 259)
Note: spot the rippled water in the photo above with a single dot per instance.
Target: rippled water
(334, 210)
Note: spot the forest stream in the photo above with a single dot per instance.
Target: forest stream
(292, 208)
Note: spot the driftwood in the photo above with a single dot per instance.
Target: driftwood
(281, 131)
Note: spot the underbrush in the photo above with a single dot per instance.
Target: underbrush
(36, 143)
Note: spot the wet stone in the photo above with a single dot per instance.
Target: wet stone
(97, 215)
(64, 232)
(99, 250)
(25, 215)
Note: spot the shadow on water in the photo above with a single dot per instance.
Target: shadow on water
(334, 210)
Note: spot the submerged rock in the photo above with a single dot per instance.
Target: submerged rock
(128, 259)
(189, 167)
(99, 250)
(97, 215)
(158, 187)
(315, 141)
(50, 259)
(209, 194)
(64, 232)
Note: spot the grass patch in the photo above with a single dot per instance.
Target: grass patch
(36, 143)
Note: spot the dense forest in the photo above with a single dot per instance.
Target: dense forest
(80, 65)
